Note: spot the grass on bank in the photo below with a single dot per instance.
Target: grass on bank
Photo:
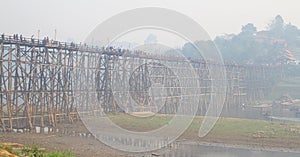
(227, 127)
(11, 150)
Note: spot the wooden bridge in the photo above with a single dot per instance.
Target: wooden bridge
(44, 82)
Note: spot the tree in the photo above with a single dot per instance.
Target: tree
(249, 29)
(291, 34)
(189, 50)
(277, 27)
(151, 39)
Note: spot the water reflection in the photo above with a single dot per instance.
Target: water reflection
(179, 149)
(196, 150)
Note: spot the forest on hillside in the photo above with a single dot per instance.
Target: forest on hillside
(279, 43)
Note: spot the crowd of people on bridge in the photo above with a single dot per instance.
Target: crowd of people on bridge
(16, 38)
(44, 42)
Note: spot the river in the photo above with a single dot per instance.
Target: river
(206, 150)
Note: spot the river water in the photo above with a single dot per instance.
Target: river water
(192, 149)
(199, 150)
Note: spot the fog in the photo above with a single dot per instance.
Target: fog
(74, 20)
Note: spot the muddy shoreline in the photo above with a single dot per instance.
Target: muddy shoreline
(77, 139)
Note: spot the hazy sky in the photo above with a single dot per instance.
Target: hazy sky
(74, 19)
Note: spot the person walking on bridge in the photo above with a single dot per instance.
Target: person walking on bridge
(32, 40)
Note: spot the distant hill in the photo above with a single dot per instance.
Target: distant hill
(250, 46)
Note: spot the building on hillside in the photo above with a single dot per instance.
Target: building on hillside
(288, 58)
